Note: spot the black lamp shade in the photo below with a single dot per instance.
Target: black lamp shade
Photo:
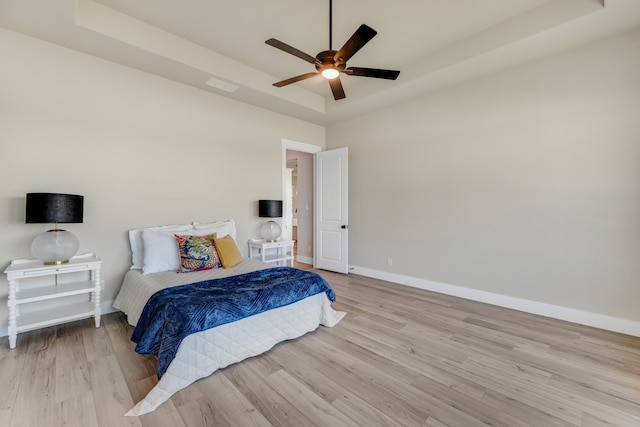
(54, 208)
(270, 208)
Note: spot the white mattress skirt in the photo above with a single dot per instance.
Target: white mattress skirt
(205, 352)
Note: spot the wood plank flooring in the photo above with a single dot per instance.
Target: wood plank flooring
(401, 357)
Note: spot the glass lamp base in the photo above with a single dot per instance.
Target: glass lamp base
(55, 246)
(270, 231)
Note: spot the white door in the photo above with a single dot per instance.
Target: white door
(331, 211)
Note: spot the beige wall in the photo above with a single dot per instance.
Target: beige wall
(141, 149)
(525, 183)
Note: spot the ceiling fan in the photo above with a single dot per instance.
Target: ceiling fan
(330, 63)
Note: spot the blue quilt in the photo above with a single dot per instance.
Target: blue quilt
(172, 314)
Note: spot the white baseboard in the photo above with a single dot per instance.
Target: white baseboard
(596, 320)
(106, 307)
(304, 259)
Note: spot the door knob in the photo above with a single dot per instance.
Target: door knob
(344, 226)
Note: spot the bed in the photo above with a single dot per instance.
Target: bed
(203, 352)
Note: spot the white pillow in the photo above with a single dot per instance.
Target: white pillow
(161, 251)
(137, 247)
(221, 228)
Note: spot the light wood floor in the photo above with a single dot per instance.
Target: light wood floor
(401, 357)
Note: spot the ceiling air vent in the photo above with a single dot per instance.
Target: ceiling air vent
(219, 84)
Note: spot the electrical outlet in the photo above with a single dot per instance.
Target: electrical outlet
(390, 261)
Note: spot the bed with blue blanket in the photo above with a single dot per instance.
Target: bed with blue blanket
(199, 322)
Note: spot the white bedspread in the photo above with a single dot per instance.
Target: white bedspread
(203, 353)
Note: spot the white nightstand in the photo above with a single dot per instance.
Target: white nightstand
(30, 281)
(279, 253)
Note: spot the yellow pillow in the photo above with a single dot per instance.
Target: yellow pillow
(227, 251)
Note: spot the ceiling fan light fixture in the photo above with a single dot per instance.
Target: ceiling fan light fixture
(330, 73)
(330, 63)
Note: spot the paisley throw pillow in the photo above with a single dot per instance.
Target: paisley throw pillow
(197, 253)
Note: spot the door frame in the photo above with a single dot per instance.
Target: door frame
(288, 144)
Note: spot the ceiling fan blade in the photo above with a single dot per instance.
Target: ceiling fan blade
(372, 72)
(336, 88)
(295, 79)
(354, 44)
(292, 50)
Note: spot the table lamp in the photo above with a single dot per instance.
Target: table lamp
(270, 209)
(54, 246)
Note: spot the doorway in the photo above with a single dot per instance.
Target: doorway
(301, 166)
(298, 160)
